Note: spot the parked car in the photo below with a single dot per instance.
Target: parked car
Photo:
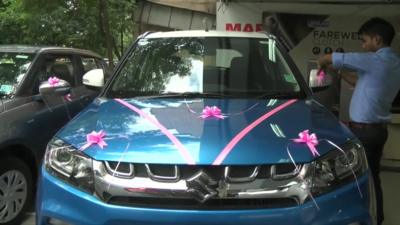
(206, 127)
(30, 114)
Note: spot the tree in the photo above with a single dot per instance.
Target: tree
(11, 22)
(104, 26)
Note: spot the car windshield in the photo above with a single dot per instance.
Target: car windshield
(210, 66)
(13, 67)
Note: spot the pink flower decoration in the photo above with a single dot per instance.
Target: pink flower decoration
(68, 97)
(321, 77)
(54, 81)
(210, 112)
(95, 138)
(310, 140)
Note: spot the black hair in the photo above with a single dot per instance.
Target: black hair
(380, 27)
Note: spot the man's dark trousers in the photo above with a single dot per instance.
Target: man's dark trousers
(373, 138)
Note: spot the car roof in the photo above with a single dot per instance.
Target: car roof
(37, 49)
(19, 48)
(203, 33)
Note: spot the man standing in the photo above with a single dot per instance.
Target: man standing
(378, 72)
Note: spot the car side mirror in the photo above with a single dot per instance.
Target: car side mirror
(319, 81)
(59, 88)
(94, 78)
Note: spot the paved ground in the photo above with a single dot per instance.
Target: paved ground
(391, 184)
(30, 219)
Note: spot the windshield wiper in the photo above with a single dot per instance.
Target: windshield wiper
(281, 95)
(187, 95)
(152, 95)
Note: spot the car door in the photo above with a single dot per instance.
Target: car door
(40, 118)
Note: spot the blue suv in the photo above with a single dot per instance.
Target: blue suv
(205, 127)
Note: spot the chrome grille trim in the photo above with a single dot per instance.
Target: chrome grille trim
(155, 177)
(283, 176)
(249, 178)
(115, 172)
(108, 186)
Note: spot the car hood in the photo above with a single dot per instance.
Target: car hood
(164, 131)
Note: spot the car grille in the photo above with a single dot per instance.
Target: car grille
(186, 171)
(199, 186)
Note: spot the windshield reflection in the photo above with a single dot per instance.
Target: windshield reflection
(13, 67)
(240, 67)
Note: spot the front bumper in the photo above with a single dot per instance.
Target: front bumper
(60, 201)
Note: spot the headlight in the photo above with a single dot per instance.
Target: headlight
(337, 168)
(69, 164)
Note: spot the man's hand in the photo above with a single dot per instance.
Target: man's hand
(325, 64)
(324, 61)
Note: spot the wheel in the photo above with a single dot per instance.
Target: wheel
(16, 189)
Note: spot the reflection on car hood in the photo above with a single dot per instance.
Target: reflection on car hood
(136, 136)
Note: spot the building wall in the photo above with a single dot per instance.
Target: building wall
(165, 15)
(205, 6)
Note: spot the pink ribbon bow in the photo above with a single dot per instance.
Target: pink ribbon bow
(95, 138)
(53, 81)
(321, 77)
(209, 112)
(310, 140)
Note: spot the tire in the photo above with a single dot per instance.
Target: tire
(16, 190)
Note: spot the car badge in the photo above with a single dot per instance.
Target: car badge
(202, 186)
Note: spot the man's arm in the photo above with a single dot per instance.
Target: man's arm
(325, 63)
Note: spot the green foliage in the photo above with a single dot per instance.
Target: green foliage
(11, 21)
(71, 23)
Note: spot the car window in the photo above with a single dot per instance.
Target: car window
(13, 67)
(237, 66)
(60, 66)
(222, 58)
(90, 63)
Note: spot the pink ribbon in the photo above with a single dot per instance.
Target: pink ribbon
(53, 81)
(246, 130)
(211, 112)
(224, 115)
(95, 138)
(68, 97)
(310, 140)
(184, 152)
